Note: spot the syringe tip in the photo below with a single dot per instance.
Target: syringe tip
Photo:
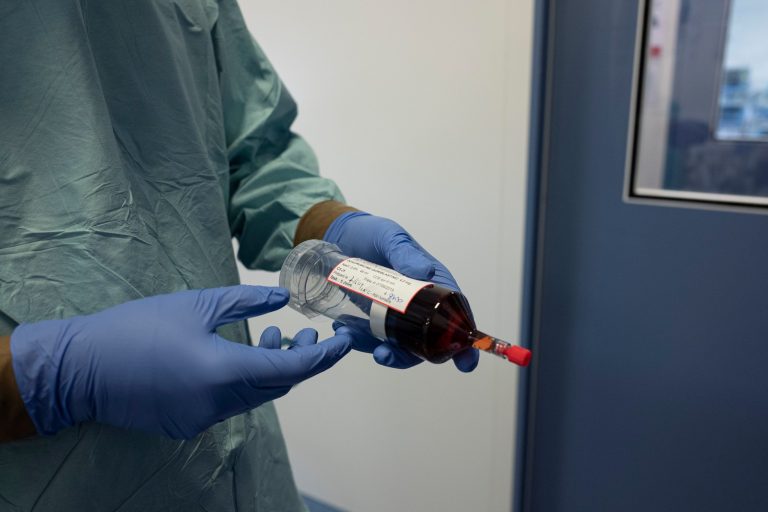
(518, 355)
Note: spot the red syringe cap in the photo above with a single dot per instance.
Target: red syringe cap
(518, 355)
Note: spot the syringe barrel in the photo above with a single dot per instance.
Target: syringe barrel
(428, 320)
(305, 274)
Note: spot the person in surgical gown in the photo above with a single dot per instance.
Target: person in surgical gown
(137, 138)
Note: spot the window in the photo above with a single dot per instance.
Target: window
(701, 113)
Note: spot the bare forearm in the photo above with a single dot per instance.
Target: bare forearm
(14, 420)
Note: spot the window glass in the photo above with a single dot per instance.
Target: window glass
(744, 87)
(702, 107)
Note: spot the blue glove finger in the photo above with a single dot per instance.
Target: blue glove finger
(467, 360)
(343, 330)
(304, 337)
(444, 278)
(310, 360)
(440, 275)
(410, 260)
(353, 326)
(271, 338)
(219, 306)
(260, 368)
(361, 340)
(389, 355)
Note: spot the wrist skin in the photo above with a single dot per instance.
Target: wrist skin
(15, 422)
(316, 221)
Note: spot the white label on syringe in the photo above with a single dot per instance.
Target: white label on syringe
(380, 284)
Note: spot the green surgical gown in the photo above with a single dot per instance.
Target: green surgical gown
(137, 137)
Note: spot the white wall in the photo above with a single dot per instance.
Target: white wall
(431, 98)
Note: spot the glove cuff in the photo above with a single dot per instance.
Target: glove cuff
(334, 232)
(36, 365)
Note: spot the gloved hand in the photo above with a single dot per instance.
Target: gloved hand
(156, 364)
(384, 242)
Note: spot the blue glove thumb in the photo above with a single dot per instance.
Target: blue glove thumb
(410, 260)
(221, 306)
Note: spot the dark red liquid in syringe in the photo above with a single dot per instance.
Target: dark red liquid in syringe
(437, 325)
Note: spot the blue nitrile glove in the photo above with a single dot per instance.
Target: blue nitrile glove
(385, 242)
(156, 364)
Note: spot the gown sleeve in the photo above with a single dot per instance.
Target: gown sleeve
(274, 176)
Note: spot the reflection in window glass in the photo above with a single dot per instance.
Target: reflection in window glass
(744, 90)
(702, 114)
